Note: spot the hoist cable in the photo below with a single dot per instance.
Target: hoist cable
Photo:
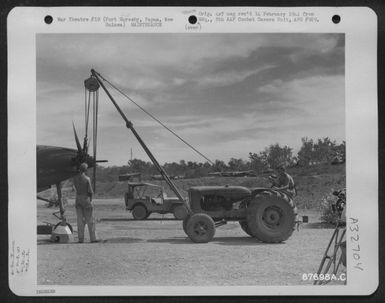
(95, 121)
(85, 106)
(157, 120)
(88, 113)
(95, 96)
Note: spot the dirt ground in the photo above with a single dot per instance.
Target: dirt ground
(158, 253)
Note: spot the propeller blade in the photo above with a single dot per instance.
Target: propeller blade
(77, 139)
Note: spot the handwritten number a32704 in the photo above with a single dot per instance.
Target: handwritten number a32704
(355, 244)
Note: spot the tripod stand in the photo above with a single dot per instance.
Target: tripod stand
(335, 253)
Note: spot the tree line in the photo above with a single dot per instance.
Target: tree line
(311, 153)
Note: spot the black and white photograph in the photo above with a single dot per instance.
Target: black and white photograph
(193, 159)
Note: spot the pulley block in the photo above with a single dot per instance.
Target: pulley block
(91, 84)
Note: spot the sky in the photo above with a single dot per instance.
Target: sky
(226, 94)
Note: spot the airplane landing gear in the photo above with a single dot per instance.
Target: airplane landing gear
(62, 231)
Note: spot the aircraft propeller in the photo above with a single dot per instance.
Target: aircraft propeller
(83, 155)
(77, 139)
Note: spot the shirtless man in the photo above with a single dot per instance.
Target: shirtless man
(84, 208)
(284, 181)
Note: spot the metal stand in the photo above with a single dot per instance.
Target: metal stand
(62, 231)
(61, 234)
(335, 254)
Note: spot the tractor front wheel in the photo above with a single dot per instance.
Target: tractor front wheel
(200, 228)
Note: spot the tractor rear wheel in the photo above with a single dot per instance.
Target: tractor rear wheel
(200, 228)
(139, 212)
(245, 227)
(271, 216)
(243, 223)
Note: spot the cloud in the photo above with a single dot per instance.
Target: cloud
(228, 78)
(307, 107)
(319, 102)
(224, 93)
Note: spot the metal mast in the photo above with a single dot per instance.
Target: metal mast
(131, 127)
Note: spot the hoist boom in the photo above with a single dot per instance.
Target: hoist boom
(144, 146)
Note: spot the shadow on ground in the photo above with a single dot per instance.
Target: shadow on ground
(217, 240)
(101, 241)
(248, 241)
(122, 240)
(318, 225)
(49, 242)
(227, 241)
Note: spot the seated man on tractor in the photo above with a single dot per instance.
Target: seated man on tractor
(283, 182)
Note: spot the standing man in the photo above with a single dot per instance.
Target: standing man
(284, 181)
(84, 208)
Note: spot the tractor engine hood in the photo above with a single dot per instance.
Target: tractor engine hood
(233, 192)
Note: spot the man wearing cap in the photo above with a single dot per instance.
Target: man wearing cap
(284, 181)
(84, 208)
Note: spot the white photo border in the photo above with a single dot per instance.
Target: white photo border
(361, 136)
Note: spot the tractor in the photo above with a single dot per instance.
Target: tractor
(266, 214)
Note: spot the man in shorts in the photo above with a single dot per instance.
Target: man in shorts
(84, 207)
